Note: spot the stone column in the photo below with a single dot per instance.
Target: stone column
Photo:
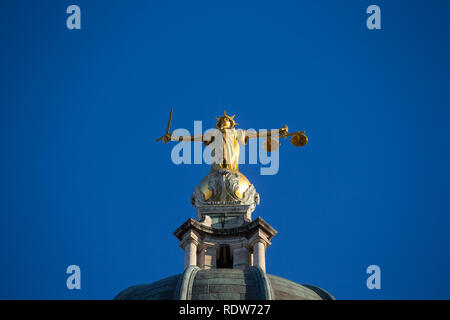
(259, 242)
(259, 255)
(190, 253)
(189, 243)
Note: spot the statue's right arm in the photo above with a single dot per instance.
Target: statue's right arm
(207, 138)
(198, 138)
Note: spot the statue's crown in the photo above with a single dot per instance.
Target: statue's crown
(227, 117)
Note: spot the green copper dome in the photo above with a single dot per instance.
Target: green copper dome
(224, 284)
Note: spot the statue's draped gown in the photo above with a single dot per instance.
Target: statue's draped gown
(225, 148)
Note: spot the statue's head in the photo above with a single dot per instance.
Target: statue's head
(225, 121)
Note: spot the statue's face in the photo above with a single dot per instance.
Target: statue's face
(225, 124)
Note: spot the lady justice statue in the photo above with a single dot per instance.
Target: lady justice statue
(226, 140)
(225, 188)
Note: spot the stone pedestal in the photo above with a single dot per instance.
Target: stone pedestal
(225, 236)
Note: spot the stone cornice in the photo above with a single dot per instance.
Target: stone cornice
(190, 236)
(259, 236)
(247, 229)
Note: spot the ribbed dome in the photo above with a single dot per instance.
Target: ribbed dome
(224, 284)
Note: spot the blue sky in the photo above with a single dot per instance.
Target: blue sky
(83, 182)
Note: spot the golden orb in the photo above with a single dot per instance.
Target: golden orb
(243, 185)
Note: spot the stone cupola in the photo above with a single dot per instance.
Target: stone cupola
(224, 234)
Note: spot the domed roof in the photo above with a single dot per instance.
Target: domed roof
(224, 284)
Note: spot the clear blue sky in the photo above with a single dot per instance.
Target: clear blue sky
(83, 182)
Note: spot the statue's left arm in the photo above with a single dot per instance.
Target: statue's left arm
(267, 133)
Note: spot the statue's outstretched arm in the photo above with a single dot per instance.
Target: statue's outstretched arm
(267, 133)
(198, 137)
(207, 138)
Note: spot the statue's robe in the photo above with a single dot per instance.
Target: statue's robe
(225, 148)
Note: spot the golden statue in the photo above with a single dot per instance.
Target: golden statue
(225, 185)
(227, 140)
